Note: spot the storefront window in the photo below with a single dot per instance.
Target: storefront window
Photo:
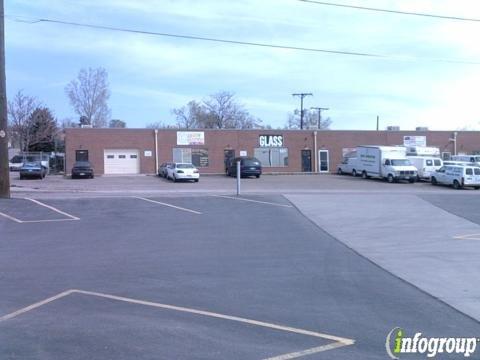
(272, 157)
(198, 157)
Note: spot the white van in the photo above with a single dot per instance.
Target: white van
(458, 176)
(425, 165)
(347, 166)
(467, 158)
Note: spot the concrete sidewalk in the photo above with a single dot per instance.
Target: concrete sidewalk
(408, 237)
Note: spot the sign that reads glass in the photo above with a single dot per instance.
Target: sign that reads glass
(270, 140)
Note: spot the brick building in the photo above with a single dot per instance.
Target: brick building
(130, 151)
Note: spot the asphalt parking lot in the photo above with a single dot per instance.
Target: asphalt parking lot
(200, 277)
(59, 186)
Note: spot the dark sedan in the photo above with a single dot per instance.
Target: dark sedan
(32, 170)
(249, 166)
(82, 169)
(162, 170)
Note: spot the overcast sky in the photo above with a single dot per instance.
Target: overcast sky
(414, 85)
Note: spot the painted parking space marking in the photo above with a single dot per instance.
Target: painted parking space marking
(53, 209)
(337, 341)
(251, 200)
(20, 221)
(11, 218)
(468, 237)
(168, 205)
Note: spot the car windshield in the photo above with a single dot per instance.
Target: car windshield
(185, 166)
(402, 162)
(82, 164)
(31, 164)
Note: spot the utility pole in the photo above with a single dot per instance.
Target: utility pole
(378, 122)
(302, 95)
(319, 115)
(4, 169)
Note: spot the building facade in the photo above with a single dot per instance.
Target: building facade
(141, 151)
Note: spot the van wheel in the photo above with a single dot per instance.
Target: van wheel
(364, 175)
(456, 185)
(434, 181)
(174, 179)
(339, 171)
(354, 172)
(411, 181)
(390, 178)
(476, 187)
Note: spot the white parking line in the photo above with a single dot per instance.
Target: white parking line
(337, 341)
(53, 208)
(468, 237)
(254, 201)
(169, 205)
(11, 218)
(36, 305)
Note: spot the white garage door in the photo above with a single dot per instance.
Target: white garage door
(121, 161)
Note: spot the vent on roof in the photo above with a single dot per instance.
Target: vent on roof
(393, 128)
(421, 128)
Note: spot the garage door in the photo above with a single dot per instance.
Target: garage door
(121, 161)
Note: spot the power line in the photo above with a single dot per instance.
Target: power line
(438, 16)
(191, 37)
(26, 20)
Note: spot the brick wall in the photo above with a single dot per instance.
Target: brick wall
(216, 141)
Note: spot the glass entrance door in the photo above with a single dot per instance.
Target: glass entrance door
(323, 162)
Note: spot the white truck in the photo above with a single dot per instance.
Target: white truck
(386, 162)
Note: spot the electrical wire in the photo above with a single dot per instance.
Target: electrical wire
(237, 42)
(444, 17)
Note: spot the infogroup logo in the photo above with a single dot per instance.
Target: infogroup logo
(397, 343)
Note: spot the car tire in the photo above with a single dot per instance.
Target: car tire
(433, 181)
(476, 187)
(92, 176)
(21, 177)
(257, 176)
(339, 171)
(364, 175)
(196, 180)
(390, 179)
(456, 185)
(354, 172)
(411, 181)
(174, 179)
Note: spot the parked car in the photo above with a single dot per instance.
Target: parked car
(249, 166)
(347, 166)
(82, 169)
(426, 166)
(32, 170)
(458, 176)
(15, 163)
(162, 170)
(182, 171)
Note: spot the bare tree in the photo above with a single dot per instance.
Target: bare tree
(118, 124)
(20, 110)
(219, 111)
(89, 94)
(69, 123)
(160, 125)
(189, 116)
(310, 121)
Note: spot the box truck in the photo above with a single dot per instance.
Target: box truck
(386, 162)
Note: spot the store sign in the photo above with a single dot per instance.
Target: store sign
(270, 140)
(415, 141)
(190, 138)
